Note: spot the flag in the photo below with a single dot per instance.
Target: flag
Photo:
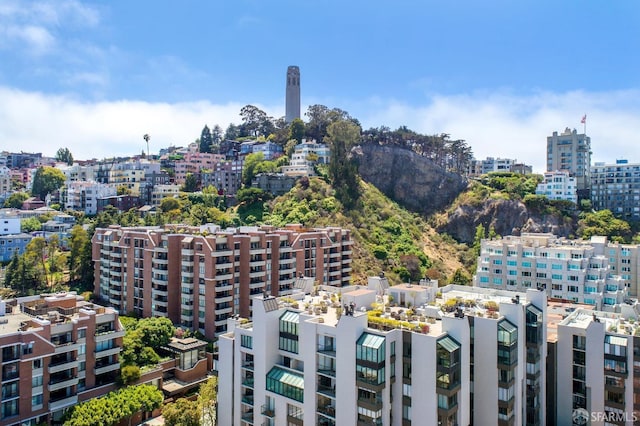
(584, 119)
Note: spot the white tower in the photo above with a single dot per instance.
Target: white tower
(293, 94)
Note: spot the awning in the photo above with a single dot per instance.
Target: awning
(369, 340)
(286, 377)
(615, 340)
(449, 344)
(290, 316)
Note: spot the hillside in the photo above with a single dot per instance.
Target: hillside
(387, 237)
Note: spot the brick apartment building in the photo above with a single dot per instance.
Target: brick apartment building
(200, 276)
(57, 351)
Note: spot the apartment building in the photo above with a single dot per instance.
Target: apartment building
(212, 273)
(83, 195)
(5, 181)
(77, 172)
(616, 187)
(571, 151)
(305, 156)
(130, 174)
(226, 176)
(57, 351)
(558, 185)
(194, 163)
(297, 364)
(162, 191)
(573, 270)
(491, 164)
(598, 369)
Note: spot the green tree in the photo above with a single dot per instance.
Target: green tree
(63, 155)
(169, 204)
(123, 190)
(156, 331)
(30, 224)
(481, 233)
(15, 200)
(255, 121)
(129, 374)
(181, 413)
(604, 223)
(46, 180)
(207, 398)
(296, 130)
(460, 276)
(251, 162)
(206, 140)
(342, 136)
(78, 239)
(115, 406)
(190, 183)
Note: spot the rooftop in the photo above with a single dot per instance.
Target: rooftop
(614, 322)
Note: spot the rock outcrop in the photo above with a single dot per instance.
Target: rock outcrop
(507, 217)
(413, 181)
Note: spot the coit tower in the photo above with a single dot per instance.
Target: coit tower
(293, 94)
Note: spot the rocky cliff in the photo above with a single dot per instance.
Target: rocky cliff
(508, 217)
(411, 180)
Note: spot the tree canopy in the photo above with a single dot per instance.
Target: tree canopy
(64, 156)
(47, 180)
(115, 406)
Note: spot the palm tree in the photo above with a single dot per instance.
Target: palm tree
(146, 137)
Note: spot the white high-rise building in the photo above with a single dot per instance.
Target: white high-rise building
(571, 270)
(571, 151)
(558, 185)
(598, 369)
(321, 360)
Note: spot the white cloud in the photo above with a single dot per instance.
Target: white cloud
(31, 26)
(512, 126)
(33, 122)
(498, 125)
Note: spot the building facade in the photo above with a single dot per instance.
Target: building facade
(572, 270)
(83, 195)
(598, 369)
(571, 151)
(57, 351)
(305, 367)
(211, 273)
(558, 185)
(616, 187)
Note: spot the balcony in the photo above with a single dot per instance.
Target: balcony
(106, 368)
(221, 288)
(267, 411)
(54, 386)
(221, 277)
(328, 410)
(329, 391)
(247, 416)
(224, 299)
(107, 335)
(62, 403)
(107, 352)
(64, 365)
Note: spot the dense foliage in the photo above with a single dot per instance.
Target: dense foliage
(143, 338)
(46, 180)
(116, 406)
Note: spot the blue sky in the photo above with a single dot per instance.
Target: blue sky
(95, 76)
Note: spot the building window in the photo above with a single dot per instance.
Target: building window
(246, 341)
